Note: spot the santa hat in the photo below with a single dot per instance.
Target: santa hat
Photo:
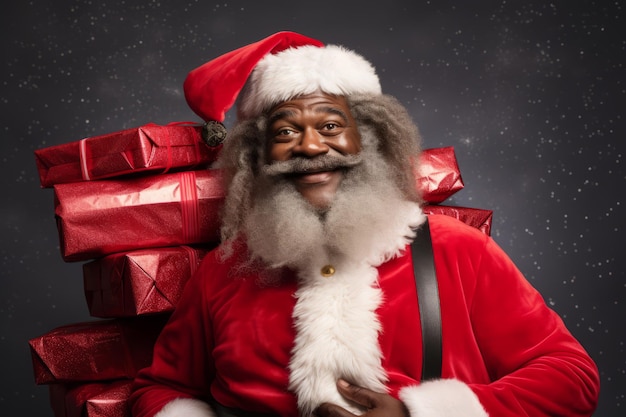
(275, 69)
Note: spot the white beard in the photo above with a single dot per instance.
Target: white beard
(368, 223)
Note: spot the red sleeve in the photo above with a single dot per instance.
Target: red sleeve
(181, 365)
(536, 366)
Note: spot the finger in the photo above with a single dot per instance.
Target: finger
(359, 395)
(332, 410)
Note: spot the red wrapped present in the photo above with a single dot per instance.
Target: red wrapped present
(95, 399)
(95, 351)
(139, 282)
(99, 218)
(438, 175)
(112, 402)
(149, 148)
(478, 218)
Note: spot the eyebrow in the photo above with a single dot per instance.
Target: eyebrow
(333, 110)
(280, 115)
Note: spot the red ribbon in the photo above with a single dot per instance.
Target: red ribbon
(190, 211)
(194, 260)
(84, 168)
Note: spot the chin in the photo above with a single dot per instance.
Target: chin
(319, 201)
(321, 206)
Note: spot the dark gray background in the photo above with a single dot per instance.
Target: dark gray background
(530, 94)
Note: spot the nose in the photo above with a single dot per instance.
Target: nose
(311, 144)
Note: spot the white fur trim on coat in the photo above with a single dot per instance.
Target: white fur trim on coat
(186, 407)
(442, 398)
(336, 337)
(297, 71)
(337, 327)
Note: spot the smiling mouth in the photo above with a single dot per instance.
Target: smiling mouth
(316, 177)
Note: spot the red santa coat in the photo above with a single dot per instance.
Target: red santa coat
(505, 353)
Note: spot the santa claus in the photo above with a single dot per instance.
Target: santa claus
(309, 306)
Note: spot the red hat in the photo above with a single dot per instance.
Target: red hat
(272, 70)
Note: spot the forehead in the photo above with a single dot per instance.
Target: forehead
(316, 102)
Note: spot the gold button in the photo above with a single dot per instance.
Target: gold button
(328, 271)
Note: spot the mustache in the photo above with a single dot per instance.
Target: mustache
(303, 165)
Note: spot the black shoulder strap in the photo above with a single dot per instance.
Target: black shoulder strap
(428, 301)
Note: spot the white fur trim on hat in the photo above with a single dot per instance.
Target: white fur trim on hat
(186, 407)
(303, 70)
(442, 398)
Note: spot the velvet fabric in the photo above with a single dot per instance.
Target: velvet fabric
(230, 338)
(212, 88)
(481, 219)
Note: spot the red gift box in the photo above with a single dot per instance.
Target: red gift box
(438, 175)
(99, 218)
(478, 218)
(148, 148)
(96, 399)
(95, 351)
(139, 282)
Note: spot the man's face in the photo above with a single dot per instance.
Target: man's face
(309, 127)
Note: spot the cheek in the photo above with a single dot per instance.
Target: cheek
(277, 152)
(350, 142)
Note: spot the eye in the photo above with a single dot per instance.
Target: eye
(284, 132)
(331, 128)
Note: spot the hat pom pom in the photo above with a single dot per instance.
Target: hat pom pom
(213, 133)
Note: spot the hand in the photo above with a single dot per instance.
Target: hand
(377, 404)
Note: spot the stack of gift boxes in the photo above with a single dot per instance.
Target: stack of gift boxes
(141, 207)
